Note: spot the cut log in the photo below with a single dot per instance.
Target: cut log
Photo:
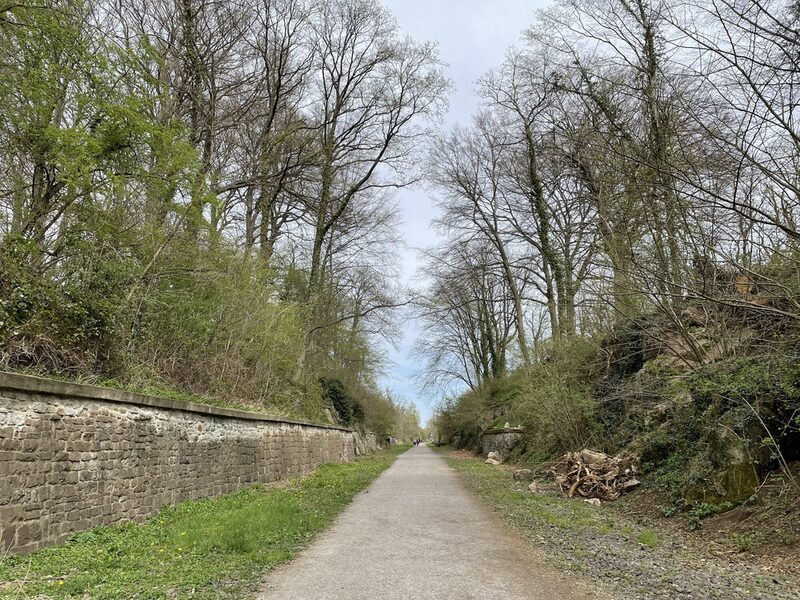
(590, 457)
(595, 475)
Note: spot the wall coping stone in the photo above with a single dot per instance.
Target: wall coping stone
(39, 385)
(504, 430)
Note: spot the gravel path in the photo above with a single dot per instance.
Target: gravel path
(672, 571)
(417, 533)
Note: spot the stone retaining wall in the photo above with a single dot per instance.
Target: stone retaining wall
(73, 456)
(501, 441)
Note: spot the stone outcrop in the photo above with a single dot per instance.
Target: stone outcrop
(74, 457)
(364, 443)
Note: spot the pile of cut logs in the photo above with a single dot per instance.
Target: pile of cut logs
(590, 474)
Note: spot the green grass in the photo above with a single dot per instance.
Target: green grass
(200, 549)
(171, 393)
(744, 542)
(521, 507)
(649, 538)
(529, 512)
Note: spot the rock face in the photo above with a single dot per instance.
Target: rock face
(502, 441)
(735, 479)
(73, 457)
(364, 443)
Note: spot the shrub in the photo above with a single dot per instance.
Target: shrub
(339, 397)
(556, 405)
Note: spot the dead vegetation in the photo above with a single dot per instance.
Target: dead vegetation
(590, 474)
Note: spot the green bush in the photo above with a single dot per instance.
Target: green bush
(551, 399)
(339, 397)
(556, 405)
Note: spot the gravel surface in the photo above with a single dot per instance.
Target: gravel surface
(672, 570)
(417, 533)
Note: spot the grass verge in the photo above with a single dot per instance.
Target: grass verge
(215, 548)
(634, 556)
(523, 509)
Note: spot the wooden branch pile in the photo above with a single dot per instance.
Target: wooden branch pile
(590, 474)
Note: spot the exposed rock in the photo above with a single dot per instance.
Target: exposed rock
(534, 487)
(491, 461)
(502, 441)
(365, 443)
(593, 501)
(736, 478)
(496, 456)
(360, 446)
(628, 485)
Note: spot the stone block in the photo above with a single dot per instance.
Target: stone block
(28, 533)
(100, 464)
(8, 534)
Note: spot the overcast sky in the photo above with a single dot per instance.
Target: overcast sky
(473, 36)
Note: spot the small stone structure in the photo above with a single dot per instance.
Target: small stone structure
(501, 441)
(74, 456)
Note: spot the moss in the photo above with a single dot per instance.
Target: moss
(757, 397)
(732, 485)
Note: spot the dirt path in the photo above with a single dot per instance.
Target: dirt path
(416, 533)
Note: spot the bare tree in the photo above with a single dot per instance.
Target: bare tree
(273, 147)
(469, 168)
(613, 56)
(468, 317)
(375, 94)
